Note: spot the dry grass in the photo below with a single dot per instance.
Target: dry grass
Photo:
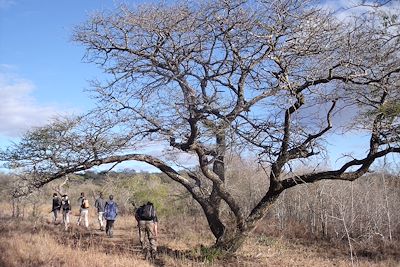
(24, 244)
(39, 243)
(280, 252)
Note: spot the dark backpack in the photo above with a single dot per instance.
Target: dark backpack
(138, 213)
(147, 213)
(66, 205)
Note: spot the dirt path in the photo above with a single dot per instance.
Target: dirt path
(124, 240)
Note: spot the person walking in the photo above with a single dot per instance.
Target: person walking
(148, 229)
(56, 207)
(66, 209)
(110, 214)
(83, 210)
(100, 205)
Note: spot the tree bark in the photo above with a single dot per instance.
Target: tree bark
(214, 222)
(218, 169)
(232, 239)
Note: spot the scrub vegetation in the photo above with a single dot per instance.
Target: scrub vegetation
(349, 224)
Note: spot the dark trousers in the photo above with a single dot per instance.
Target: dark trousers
(109, 227)
(55, 214)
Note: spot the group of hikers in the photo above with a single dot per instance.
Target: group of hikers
(145, 216)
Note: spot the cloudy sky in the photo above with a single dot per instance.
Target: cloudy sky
(42, 74)
(41, 71)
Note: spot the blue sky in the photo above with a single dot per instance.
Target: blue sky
(41, 71)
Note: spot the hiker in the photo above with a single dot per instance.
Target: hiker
(99, 204)
(110, 214)
(83, 210)
(148, 232)
(66, 209)
(138, 213)
(56, 207)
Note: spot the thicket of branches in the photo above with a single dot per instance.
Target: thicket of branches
(268, 79)
(364, 211)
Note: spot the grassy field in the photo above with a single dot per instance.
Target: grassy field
(38, 242)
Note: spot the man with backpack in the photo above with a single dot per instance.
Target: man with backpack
(56, 207)
(66, 209)
(100, 205)
(110, 214)
(83, 210)
(148, 232)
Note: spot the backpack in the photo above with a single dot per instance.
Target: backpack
(148, 213)
(85, 204)
(138, 213)
(66, 205)
(110, 212)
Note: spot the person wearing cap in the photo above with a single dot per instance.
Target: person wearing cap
(66, 209)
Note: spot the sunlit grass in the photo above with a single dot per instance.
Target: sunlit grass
(182, 242)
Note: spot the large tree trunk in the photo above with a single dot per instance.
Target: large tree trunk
(219, 169)
(214, 221)
(234, 236)
(232, 239)
(212, 209)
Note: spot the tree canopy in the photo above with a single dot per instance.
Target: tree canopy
(271, 80)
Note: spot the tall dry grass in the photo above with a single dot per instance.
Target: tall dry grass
(305, 228)
(25, 244)
(36, 242)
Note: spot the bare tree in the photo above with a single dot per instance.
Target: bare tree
(264, 78)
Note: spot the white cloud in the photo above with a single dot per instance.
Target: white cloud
(344, 9)
(19, 110)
